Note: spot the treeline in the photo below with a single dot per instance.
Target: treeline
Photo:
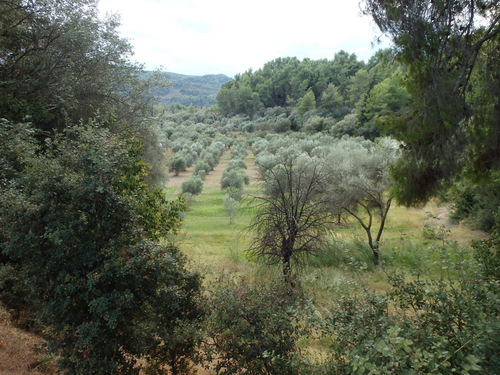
(345, 96)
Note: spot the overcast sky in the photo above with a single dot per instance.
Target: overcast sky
(229, 36)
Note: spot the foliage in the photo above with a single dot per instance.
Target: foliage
(236, 164)
(78, 226)
(253, 328)
(234, 178)
(306, 103)
(193, 185)
(419, 327)
(286, 92)
(231, 205)
(177, 164)
(59, 62)
(450, 50)
(477, 204)
(487, 253)
(353, 255)
(292, 213)
(202, 168)
(358, 176)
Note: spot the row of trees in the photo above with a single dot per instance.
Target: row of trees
(234, 178)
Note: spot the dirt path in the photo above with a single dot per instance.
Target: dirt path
(212, 180)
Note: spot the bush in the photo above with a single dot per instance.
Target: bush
(81, 229)
(253, 328)
(193, 185)
(234, 178)
(420, 327)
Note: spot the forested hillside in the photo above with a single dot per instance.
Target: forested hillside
(331, 216)
(187, 89)
(343, 96)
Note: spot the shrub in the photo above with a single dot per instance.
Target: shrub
(81, 229)
(253, 328)
(193, 185)
(234, 178)
(420, 327)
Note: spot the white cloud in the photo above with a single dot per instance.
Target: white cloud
(228, 36)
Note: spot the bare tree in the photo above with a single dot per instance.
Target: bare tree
(292, 213)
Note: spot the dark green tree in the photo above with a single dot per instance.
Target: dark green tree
(60, 62)
(306, 103)
(79, 228)
(450, 49)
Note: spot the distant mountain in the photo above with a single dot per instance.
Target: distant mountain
(195, 90)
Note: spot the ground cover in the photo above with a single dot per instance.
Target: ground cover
(413, 238)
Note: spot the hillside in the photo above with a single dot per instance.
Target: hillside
(188, 89)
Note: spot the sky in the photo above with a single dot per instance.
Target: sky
(199, 37)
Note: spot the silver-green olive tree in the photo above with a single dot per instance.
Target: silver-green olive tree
(359, 182)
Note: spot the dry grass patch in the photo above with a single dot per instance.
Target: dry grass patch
(22, 352)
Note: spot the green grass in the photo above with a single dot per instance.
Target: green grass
(215, 247)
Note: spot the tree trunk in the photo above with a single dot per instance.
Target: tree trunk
(287, 271)
(375, 256)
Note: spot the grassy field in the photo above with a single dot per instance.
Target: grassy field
(414, 239)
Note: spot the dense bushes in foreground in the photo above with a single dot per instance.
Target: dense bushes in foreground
(449, 325)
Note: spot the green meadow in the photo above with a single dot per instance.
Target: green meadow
(415, 239)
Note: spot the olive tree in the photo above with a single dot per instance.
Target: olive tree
(234, 178)
(177, 164)
(193, 185)
(359, 182)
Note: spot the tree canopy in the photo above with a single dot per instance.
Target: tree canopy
(59, 62)
(451, 51)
